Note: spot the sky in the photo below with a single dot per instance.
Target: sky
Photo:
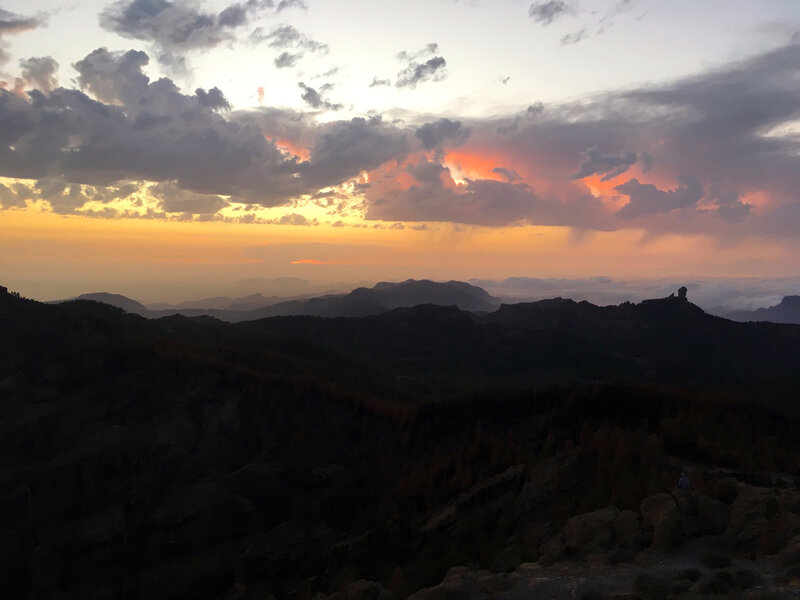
(169, 149)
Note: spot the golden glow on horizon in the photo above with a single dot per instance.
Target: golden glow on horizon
(47, 256)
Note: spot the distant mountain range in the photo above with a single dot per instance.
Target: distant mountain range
(380, 298)
(787, 311)
(360, 302)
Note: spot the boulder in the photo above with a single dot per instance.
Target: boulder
(366, 590)
(791, 553)
(591, 531)
(760, 522)
(700, 514)
(462, 583)
(627, 528)
(661, 514)
(594, 534)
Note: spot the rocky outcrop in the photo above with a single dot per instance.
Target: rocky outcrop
(682, 514)
(661, 515)
(599, 535)
(462, 583)
(764, 520)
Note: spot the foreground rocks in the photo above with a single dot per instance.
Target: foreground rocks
(680, 545)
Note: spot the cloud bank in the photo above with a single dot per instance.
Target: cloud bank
(709, 154)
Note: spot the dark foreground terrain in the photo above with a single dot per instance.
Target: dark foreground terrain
(531, 452)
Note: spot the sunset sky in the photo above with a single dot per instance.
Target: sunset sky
(169, 149)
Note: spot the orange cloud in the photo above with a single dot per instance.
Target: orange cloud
(308, 261)
(291, 148)
(474, 165)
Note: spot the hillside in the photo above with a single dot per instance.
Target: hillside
(296, 456)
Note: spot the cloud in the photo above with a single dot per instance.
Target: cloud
(646, 199)
(711, 154)
(329, 73)
(175, 27)
(428, 50)
(141, 130)
(433, 134)
(40, 72)
(418, 69)
(11, 197)
(510, 175)
(112, 77)
(379, 82)
(546, 12)
(173, 199)
(574, 38)
(285, 60)
(12, 24)
(313, 98)
(288, 37)
(344, 149)
(608, 165)
(435, 196)
(285, 4)
(430, 70)
(213, 99)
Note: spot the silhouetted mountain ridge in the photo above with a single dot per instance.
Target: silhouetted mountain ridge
(787, 311)
(359, 302)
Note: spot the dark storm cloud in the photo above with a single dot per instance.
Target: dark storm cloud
(177, 27)
(415, 73)
(546, 12)
(40, 73)
(433, 134)
(608, 165)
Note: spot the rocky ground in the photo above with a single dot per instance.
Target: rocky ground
(680, 545)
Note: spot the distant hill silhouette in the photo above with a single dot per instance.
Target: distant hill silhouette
(360, 302)
(219, 303)
(787, 311)
(118, 300)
